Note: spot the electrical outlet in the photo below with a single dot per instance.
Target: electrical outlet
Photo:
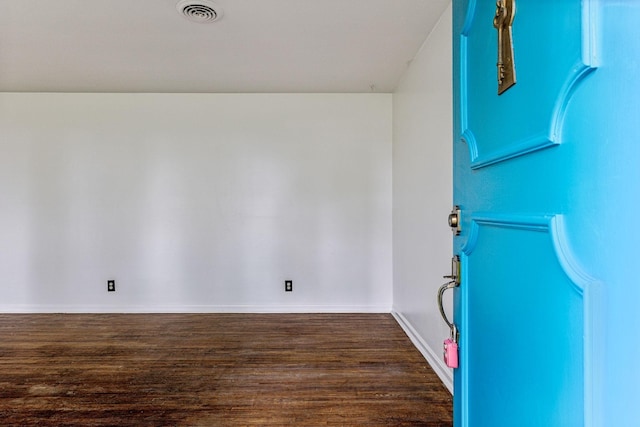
(288, 285)
(111, 285)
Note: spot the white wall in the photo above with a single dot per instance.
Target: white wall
(195, 202)
(422, 188)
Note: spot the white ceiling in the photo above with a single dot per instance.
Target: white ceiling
(257, 46)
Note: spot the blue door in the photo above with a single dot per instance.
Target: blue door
(546, 177)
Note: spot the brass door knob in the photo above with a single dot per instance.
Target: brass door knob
(453, 220)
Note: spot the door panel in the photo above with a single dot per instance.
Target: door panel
(526, 302)
(524, 305)
(547, 177)
(551, 60)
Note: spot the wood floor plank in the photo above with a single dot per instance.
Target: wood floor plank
(214, 370)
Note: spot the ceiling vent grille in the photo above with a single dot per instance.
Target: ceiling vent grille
(201, 11)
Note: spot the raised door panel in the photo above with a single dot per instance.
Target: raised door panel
(523, 327)
(550, 62)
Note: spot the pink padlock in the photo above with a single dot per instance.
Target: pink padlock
(451, 353)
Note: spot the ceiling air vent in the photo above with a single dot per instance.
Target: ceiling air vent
(201, 11)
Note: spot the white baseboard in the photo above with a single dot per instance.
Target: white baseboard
(79, 308)
(434, 359)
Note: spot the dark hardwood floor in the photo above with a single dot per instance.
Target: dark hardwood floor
(214, 370)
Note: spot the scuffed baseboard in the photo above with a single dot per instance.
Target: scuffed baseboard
(434, 359)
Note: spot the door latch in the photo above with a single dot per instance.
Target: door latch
(455, 270)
